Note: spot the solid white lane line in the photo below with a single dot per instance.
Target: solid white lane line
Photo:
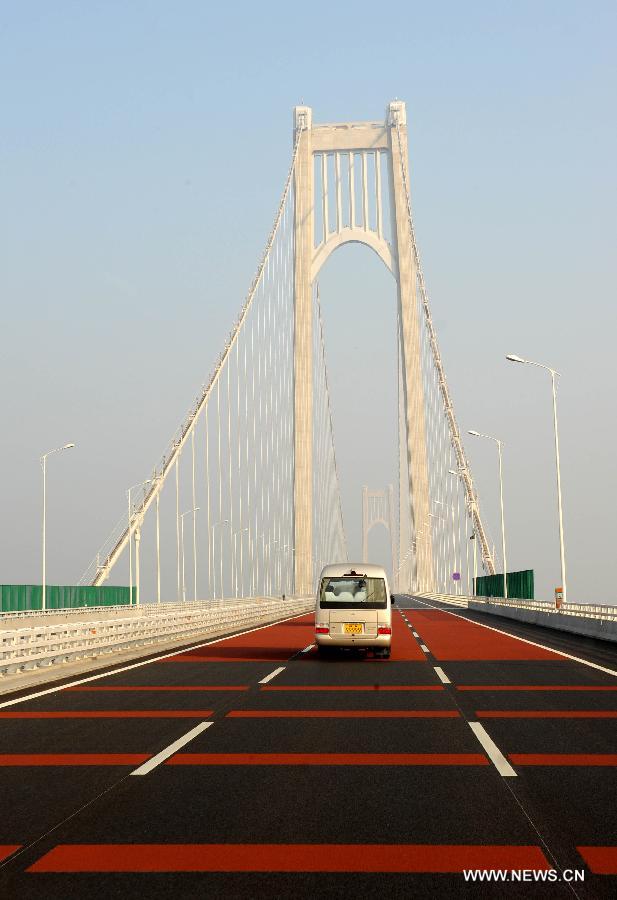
(272, 675)
(442, 675)
(144, 662)
(306, 649)
(515, 637)
(169, 751)
(492, 751)
(425, 648)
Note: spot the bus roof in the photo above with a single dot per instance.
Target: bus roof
(336, 570)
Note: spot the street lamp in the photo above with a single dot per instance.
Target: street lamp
(471, 506)
(128, 494)
(472, 537)
(268, 545)
(235, 558)
(287, 549)
(503, 527)
(44, 465)
(514, 358)
(210, 536)
(182, 515)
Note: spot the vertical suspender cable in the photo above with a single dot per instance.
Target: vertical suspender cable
(239, 570)
(158, 551)
(229, 468)
(194, 520)
(178, 523)
(220, 480)
(207, 436)
(461, 460)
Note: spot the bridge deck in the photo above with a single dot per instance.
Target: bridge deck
(367, 770)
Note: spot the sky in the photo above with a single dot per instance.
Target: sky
(143, 150)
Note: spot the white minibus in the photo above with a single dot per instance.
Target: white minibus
(354, 609)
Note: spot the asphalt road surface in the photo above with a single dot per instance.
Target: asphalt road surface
(249, 767)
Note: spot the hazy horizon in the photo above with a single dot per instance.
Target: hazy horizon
(142, 159)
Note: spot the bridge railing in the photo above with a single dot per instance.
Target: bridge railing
(28, 648)
(584, 610)
(450, 599)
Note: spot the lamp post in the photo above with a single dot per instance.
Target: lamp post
(292, 550)
(182, 515)
(269, 564)
(503, 527)
(128, 494)
(455, 544)
(403, 561)
(439, 519)
(473, 538)
(554, 374)
(460, 473)
(210, 535)
(44, 466)
(235, 558)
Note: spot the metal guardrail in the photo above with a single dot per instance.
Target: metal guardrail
(452, 599)
(584, 610)
(69, 610)
(24, 649)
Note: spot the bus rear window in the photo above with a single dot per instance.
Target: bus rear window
(345, 592)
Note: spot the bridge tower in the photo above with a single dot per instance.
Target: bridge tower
(378, 509)
(351, 152)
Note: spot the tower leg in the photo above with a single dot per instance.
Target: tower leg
(413, 389)
(303, 356)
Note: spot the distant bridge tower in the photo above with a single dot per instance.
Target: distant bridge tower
(348, 190)
(378, 509)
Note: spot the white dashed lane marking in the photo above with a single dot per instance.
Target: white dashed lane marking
(169, 751)
(425, 648)
(306, 649)
(442, 675)
(492, 751)
(272, 675)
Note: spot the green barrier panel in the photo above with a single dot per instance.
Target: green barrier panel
(22, 597)
(520, 585)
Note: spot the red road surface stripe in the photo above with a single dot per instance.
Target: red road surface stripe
(7, 850)
(271, 643)
(328, 759)
(534, 687)
(343, 714)
(286, 858)
(160, 687)
(353, 687)
(601, 860)
(451, 638)
(546, 714)
(73, 759)
(269, 656)
(112, 714)
(563, 759)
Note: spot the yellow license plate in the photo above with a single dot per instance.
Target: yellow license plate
(353, 628)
